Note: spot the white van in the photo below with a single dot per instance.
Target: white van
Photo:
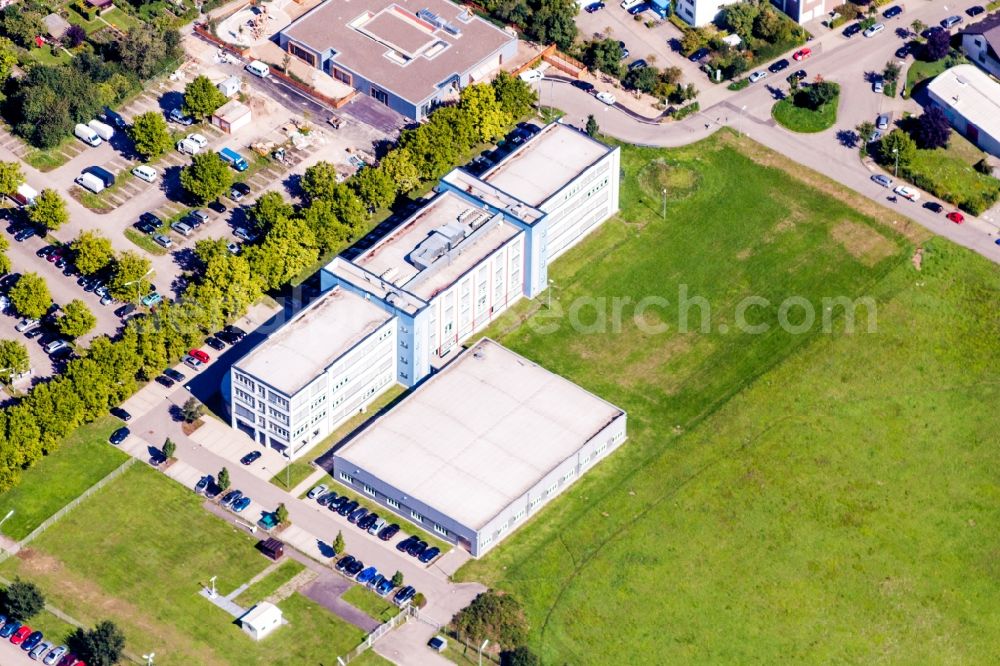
(101, 129)
(87, 135)
(188, 146)
(258, 68)
(90, 182)
(874, 30)
(629, 4)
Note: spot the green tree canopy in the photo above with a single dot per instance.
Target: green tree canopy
(481, 107)
(30, 296)
(130, 277)
(11, 176)
(222, 480)
(338, 543)
(498, 617)
(93, 252)
(375, 187)
(202, 98)
(101, 646)
(398, 166)
(168, 448)
(22, 600)
(76, 320)
(281, 514)
(593, 129)
(515, 96)
(49, 210)
(288, 249)
(904, 146)
(14, 360)
(150, 134)
(319, 181)
(192, 410)
(519, 656)
(604, 55)
(207, 177)
(268, 209)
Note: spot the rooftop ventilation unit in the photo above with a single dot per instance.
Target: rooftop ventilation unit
(431, 17)
(465, 16)
(452, 29)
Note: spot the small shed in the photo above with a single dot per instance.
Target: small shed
(55, 26)
(261, 620)
(732, 40)
(101, 6)
(231, 86)
(231, 116)
(273, 548)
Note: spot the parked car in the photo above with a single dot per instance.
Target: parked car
(698, 55)
(317, 491)
(802, 54)
(121, 413)
(882, 180)
(384, 587)
(757, 76)
(429, 554)
(417, 549)
(975, 10)
(174, 375)
(799, 75)
(241, 504)
(21, 634)
(606, 97)
(199, 354)
(165, 381)
(404, 595)
(119, 436)
(245, 234)
(151, 299)
(202, 484)
(878, 87)
(594, 7)
(344, 562)
(354, 567)
(903, 51)
(874, 30)
(336, 504)
(933, 206)
(403, 545)
(9, 628)
(326, 498)
(32, 641)
(882, 121)
(892, 12)
(851, 30)
(146, 173)
(955, 217)
(26, 325)
(182, 228)
(638, 9)
(251, 458)
(348, 508)
(238, 191)
(951, 21)
(192, 362)
(367, 521)
(357, 514)
(39, 650)
(215, 343)
(907, 192)
(376, 525)
(366, 575)
(778, 66)
(55, 655)
(177, 116)
(232, 498)
(438, 644)
(636, 64)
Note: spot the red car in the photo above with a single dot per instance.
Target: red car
(955, 217)
(18, 637)
(199, 354)
(68, 660)
(802, 54)
(56, 255)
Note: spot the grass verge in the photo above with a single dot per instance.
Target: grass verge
(145, 242)
(83, 459)
(803, 119)
(368, 602)
(270, 584)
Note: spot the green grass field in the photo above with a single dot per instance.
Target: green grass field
(808, 498)
(139, 550)
(267, 586)
(83, 459)
(380, 608)
(948, 173)
(803, 119)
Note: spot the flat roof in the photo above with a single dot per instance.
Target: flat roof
(408, 47)
(313, 340)
(545, 163)
(479, 434)
(972, 93)
(460, 232)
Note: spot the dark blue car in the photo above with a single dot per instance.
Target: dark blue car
(367, 575)
(32, 641)
(9, 629)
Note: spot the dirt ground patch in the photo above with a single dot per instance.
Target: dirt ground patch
(864, 244)
(763, 156)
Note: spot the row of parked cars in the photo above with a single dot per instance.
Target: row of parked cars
(34, 644)
(378, 583)
(371, 522)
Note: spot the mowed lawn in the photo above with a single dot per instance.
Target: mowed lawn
(808, 498)
(82, 459)
(138, 552)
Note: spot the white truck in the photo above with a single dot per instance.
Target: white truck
(102, 130)
(188, 146)
(87, 135)
(90, 182)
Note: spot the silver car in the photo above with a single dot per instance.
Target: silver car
(39, 650)
(55, 655)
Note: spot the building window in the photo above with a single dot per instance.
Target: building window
(300, 52)
(416, 516)
(391, 502)
(369, 490)
(343, 76)
(440, 530)
(518, 516)
(346, 477)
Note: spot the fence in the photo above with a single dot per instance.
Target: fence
(382, 630)
(114, 474)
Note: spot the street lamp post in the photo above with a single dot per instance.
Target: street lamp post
(4, 520)
(739, 124)
(551, 285)
(895, 170)
(149, 658)
(664, 203)
(481, 647)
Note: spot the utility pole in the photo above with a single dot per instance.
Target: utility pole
(664, 203)
(212, 593)
(485, 643)
(895, 170)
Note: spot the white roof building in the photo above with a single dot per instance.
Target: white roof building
(971, 101)
(261, 620)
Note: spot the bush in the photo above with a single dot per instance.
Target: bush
(83, 9)
(22, 600)
(685, 111)
(498, 617)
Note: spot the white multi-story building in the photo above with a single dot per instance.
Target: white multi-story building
(325, 364)
(700, 12)
(474, 249)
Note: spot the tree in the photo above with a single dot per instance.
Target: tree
(49, 210)
(338, 543)
(865, 130)
(398, 165)
(604, 56)
(281, 514)
(938, 45)
(202, 98)
(192, 410)
(150, 134)
(14, 360)
(692, 41)
(984, 167)
(933, 129)
(817, 95)
(92, 252)
(514, 94)
(30, 296)
(222, 480)
(641, 78)
(397, 578)
(897, 145)
(319, 181)
(75, 35)
(498, 617)
(8, 58)
(146, 50)
(207, 177)
(77, 319)
(739, 18)
(592, 127)
(22, 600)
(419, 600)
(101, 646)
(287, 250)
(891, 72)
(168, 448)
(268, 209)
(374, 187)
(21, 25)
(553, 21)
(129, 277)
(11, 176)
(519, 656)
(918, 26)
